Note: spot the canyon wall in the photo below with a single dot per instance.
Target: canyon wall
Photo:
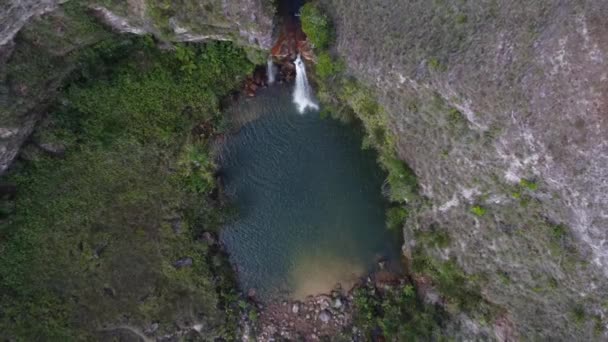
(42, 42)
(500, 109)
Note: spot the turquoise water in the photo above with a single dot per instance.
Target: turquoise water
(311, 213)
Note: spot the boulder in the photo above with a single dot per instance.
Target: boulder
(325, 316)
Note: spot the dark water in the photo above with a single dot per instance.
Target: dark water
(311, 213)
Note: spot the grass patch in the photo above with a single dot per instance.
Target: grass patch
(90, 241)
(435, 238)
(478, 210)
(326, 66)
(528, 184)
(395, 218)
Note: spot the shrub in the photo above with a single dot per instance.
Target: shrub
(315, 25)
(528, 184)
(326, 67)
(395, 218)
(436, 238)
(436, 65)
(478, 210)
(401, 179)
(578, 314)
(396, 313)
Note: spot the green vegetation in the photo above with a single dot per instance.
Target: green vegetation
(92, 238)
(434, 238)
(460, 290)
(558, 232)
(315, 25)
(528, 184)
(578, 315)
(478, 210)
(455, 117)
(395, 218)
(326, 67)
(401, 179)
(436, 65)
(398, 313)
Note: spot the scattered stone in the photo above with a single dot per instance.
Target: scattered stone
(337, 304)
(6, 133)
(251, 293)
(295, 308)
(325, 316)
(183, 262)
(57, 150)
(209, 239)
(151, 329)
(108, 291)
(176, 225)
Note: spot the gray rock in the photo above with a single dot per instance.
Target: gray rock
(295, 308)
(176, 225)
(183, 262)
(325, 316)
(151, 329)
(209, 239)
(337, 303)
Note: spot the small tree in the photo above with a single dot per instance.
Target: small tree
(315, 25)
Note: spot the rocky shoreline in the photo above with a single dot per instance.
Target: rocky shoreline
(317, 317)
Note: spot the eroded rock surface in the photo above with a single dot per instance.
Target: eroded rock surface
(481, 96)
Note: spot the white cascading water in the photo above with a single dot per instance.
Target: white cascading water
(270, 70)
(302, 94)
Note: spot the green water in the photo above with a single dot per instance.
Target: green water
(311, 213)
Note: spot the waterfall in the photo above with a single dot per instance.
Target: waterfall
(302, 94)
(270, 70)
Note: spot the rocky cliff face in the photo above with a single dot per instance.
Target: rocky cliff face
(42, 42)
(500, 106)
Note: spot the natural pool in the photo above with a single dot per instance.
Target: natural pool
(311, 212)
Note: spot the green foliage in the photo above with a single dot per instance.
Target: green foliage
(455, 117)
(90, 238)
(395, 218)
(436, 65)
(436, 238)
(326, 67)
(397, 312)
(528, 184)
(478, 210)
(558, 232)
(461, 292)
(578, 315)
(401, 179)
(315, 25)
(197, 169)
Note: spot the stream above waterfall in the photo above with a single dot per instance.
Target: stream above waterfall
(311, 213)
